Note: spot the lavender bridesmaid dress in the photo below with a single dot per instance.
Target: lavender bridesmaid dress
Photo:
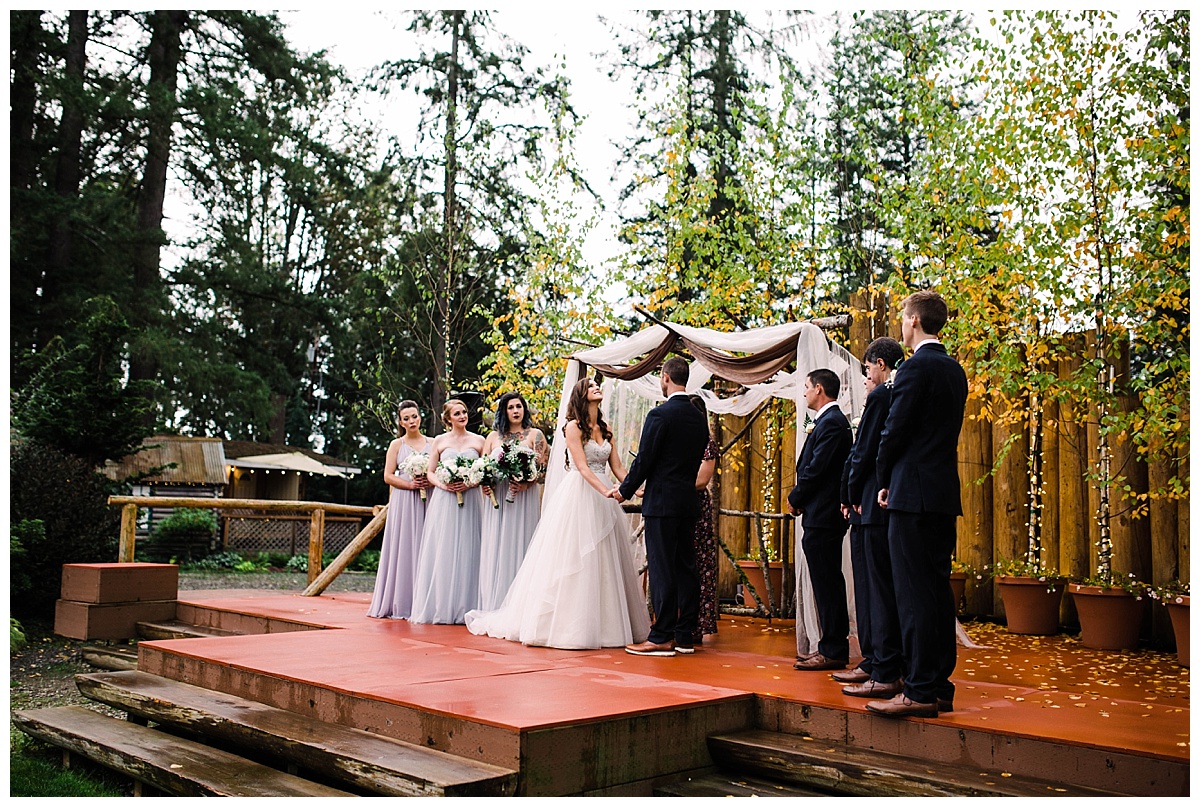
(401, 549)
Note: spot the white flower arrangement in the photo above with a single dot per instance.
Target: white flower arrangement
(459, 469)
(415, 466)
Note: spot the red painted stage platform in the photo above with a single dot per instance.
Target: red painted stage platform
(608, 723)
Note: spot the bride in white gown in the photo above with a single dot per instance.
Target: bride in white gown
(577, 588)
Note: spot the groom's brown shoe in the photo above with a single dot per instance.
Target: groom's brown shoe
(856, 676)
(648, 648)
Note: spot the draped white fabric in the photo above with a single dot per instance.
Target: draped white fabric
(813, 351)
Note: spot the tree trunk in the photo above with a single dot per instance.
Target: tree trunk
(163, 55)
(67, 171)
(24, 49)
(443, 282)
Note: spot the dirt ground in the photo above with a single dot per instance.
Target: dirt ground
(43, 673)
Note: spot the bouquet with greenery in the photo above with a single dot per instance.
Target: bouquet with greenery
(518, 463)
(460, 469)
(415, 465)
(489, 474)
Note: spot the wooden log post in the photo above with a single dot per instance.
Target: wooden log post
(128, 540)
(1073, 528)
(347, 556)
(975, 538)
(734, 495)
(316, 544)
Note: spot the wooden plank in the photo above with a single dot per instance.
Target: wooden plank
(721, 785)
(171, 764)
(179, 630)
(377, 764)
(111, 658)
(846, 770)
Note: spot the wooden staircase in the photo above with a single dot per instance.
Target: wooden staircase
(767, 763)
(184, 740)
(299, 755)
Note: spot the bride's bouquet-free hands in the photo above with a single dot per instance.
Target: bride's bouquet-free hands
(416, 466)
(490, 475)
(517, 463)
(460, 469)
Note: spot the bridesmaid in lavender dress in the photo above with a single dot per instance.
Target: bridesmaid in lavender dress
(405, 520)
(507, 530)
(447, 584)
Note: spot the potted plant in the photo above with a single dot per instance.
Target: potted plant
(1032, 594)
(751, 567)
(959, 572)
(1111, 607)
(1175, 596)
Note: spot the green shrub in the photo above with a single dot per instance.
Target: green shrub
(367, 561)
(76, 524)
(297, 563)
(16, 636)
(214, 562)
(187, 534)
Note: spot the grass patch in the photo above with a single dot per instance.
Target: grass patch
(35, 769)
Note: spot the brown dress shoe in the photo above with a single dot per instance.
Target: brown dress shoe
(874, 689)
(856, 676)
(819, 662)
(648, 648)
(903, 706)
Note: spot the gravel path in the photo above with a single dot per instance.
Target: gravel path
(276, 581)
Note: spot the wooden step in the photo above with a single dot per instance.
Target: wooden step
(171, 764)
(175, 629)
(114, 657)
(720, 785)
(846, 770)
(361, 759)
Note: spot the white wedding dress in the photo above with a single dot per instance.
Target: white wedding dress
(577, 588)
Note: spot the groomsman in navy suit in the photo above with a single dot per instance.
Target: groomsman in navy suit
(815, 498)
(878, 674)
(917, 464)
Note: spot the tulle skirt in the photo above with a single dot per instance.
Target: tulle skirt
(577, 588)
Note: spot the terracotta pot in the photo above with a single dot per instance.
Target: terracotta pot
(1109, 618)
(1029, 607)
(1181, 621)
(755, 576)
(958, 584)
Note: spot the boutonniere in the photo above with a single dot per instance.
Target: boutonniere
(809, 425)
(854, 423)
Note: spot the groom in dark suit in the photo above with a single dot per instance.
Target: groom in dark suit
(668, 459)
(917, 468)
(816, 499)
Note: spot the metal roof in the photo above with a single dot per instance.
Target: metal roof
(197, 460)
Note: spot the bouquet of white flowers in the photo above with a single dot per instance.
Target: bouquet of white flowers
(415, 465)
(518, 463)
(459, 469)
(489, 474)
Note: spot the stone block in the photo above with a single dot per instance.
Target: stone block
(119, 582)
(88, 620)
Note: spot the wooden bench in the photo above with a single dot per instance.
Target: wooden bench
(171, 764)
(362, 760)
(845, 770)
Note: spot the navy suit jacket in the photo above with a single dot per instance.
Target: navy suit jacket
(819, 472)
(668, 460)
(917, 459)
(862, 485)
